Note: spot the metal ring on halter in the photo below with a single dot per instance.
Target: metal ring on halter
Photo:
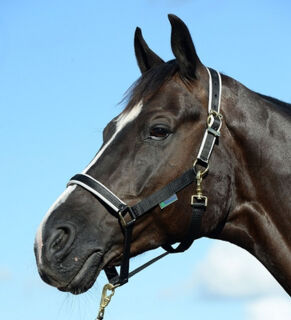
(202, 172)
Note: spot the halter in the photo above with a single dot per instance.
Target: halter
(163, 197)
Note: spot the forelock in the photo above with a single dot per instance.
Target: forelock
(149, 83)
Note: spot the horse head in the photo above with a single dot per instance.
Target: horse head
(151, 143)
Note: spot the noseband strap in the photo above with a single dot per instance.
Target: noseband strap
(98, 189)
(127, 215)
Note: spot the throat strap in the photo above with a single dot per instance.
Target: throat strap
(194, 230)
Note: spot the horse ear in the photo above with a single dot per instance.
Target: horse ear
(145, 57)
(183, 48)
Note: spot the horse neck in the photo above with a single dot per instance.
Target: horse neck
(258, 132)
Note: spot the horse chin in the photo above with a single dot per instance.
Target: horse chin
(112, 258)
(86, 275)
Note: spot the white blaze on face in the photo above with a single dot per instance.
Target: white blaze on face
(121, 123)
(38, 239)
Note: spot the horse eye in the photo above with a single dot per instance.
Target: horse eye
(159, 133)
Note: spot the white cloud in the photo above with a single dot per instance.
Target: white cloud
(271, 308)
(229, 271)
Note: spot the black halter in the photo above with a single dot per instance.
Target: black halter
(164, 196)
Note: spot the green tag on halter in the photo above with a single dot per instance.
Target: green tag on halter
(169, 201)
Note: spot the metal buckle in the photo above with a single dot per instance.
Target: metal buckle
(215, 114)
(195, 198)
(121, 213)
(212, 116)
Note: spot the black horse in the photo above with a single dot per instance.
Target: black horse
(148, 147)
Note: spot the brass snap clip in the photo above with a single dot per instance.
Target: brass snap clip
(199, 197)
(105, 299)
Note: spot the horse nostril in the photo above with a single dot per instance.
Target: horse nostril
(60, 242)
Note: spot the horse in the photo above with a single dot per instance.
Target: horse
(149, 186)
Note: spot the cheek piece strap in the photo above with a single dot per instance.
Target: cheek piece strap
(128, 215)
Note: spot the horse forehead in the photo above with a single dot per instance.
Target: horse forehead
(175, 91)
(122, 121)
(171, 99)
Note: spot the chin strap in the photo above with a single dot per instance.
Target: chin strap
(167, 195)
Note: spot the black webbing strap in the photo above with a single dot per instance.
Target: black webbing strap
(216, 88)
(113, 277)
(124, 269)
(209, 140)
(193, 232)
(111, 272)
(163, 194)
(98, 189)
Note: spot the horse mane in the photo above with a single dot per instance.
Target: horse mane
(284, 106)
(276, 101)
(149, 83)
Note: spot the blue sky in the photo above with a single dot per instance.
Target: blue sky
(64, 66)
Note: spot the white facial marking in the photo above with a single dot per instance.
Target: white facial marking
(38, 239)
(121, 122)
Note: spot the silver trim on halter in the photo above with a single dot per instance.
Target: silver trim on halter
(210, 112)
(99, 195)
